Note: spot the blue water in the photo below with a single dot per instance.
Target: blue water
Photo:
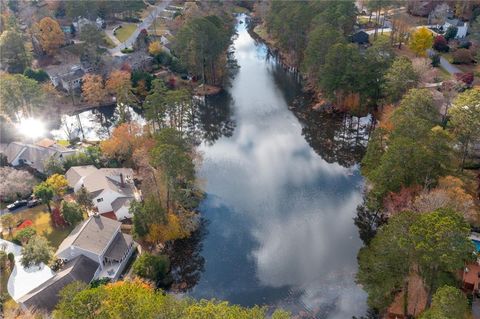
(477, 244)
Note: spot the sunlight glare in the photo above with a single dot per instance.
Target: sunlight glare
(31, 128)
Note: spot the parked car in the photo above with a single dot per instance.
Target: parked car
(17, 204)
(33, 202)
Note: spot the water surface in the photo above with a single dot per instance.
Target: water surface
(279, 213)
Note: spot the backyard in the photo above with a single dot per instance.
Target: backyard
(125, 31)
(42, 223)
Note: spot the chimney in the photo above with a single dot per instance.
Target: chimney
(122, 182)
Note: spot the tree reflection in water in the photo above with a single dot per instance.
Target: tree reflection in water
(187, 263)
(212, 118)
(337, 137)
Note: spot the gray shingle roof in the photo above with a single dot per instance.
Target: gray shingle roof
(121, 201)
(92, 235)
(46, 296)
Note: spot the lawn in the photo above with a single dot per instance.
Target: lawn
(43, 224)
(108, 42)
(125, 31)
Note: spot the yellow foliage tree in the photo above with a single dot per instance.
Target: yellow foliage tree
(49, 34)
(58, 183)
(421, 40)
(155, 48)
(172, 229)
(93, 90)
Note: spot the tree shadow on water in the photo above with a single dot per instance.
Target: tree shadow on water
(187, 263)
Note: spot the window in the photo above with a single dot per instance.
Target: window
(99, 200)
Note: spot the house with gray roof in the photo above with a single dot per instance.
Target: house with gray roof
(95, 249)
(462, 27)
(112, 189)
(35, 155)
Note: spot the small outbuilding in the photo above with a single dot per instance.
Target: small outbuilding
(361, 37)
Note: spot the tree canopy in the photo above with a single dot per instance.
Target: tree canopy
(36, 251)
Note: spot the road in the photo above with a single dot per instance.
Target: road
(146, 23)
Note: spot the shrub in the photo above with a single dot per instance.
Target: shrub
(435, 60)
(466, 78)
(462, 56)
(39, 75)
(464, 44)
(164, 58)
(440, 44)
(177, 66)
(151, 267)
(127, 50)
(451, 32)
(25, 234)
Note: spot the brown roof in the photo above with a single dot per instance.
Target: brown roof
(46, 296)
(46, 142)
(119, 246)
(93, 235)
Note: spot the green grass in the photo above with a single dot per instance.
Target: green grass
(108, 42)
(63, 143)
(125, 31)
(238, 9)
(261, 31)
(43, 224)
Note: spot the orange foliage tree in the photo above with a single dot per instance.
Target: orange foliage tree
(123, 141)
(119, 84)
(93, 90)
(49, 34)
(172, 229)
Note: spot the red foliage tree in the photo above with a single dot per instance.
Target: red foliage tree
(400, 201)
(126, 67)
(466, 78)
(57, 218)
(440, 44)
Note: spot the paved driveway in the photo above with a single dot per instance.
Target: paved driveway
(144, 25)
(450, 68)
(23, 280)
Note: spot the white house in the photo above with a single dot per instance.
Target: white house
(112, 189)
(95, 249)
(35, 155)
(462, 27)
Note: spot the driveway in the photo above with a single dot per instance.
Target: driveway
(144, 25)
(450, 68)
(23, 280)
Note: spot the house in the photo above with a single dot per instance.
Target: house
(112, 189)
(95, 249)
(35, 155)
(361, 37)
(462, 27)
(67, 76)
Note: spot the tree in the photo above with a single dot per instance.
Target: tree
(93, 89)
(15, 183)
(37, 75)
(421, 40)
(49, 34)
(155, 48)
(202, 59)
(399, 78)
(36, 251)
(137, 299)
(385, 263)
(119, 84)
(448, 303)
(58, 183)
(151, 267)
(14, 54)
(155, 104)
(8, 221)
(123, 141)
(451, 33)
(45, 192)
(92, 36)
(20, 96)
(440, 44)
(72, 213)
(25, 234)
(441, 244)
(465, 119)
(430, 244)
(84, 199)
(320, 39)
